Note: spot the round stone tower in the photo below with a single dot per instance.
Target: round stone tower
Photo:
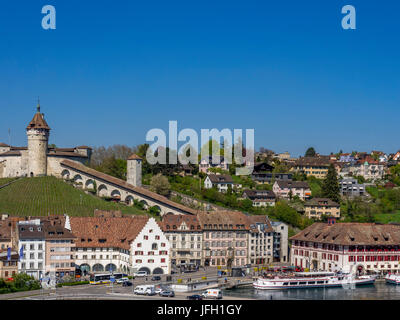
(38, 133)
(134, 170)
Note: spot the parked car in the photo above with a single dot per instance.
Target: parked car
(122, 280)
(156, 278)
(212, 293)
(167, 293)
(145, 290)
(195, 297)
(126, 283)
(140, 274)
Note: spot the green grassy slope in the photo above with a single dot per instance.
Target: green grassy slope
(48, 195)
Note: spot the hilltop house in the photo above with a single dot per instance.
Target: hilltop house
(350, 187)
(220, 181)
(260, 198)
(313, 166)
(286, 189)
(368, 168)
(207, 163)
(317, 207)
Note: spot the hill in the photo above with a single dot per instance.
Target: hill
(41, 196)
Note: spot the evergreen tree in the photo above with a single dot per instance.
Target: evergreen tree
(310, 152)
(330, 185)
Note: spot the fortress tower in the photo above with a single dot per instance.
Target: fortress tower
(134, 170)
(38, 133)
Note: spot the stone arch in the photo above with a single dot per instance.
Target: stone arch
(65, 174)
(98, 267)
(124, 269)
(77, 179)
(84, 267)
(116, 194)
(145, 204)
(145, 269)
(158, 271)
(129, 200)
(111, 267)
(102, 190)
(89, 184)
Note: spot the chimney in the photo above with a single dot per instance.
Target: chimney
(331, 221)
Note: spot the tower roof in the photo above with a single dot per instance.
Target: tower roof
(38, 121)
(134, 157)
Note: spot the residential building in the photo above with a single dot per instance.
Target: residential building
(261, 241)
(59, 249)
(350, 187)
(207, 163)
(260, 198)
(225, 236)
(287, 188)
(221, 181)
(185, 237)
(346, 157)
(31, 237)
(8, 268)
(313, 166)
(150, 249)
(367, 168)
(318, 207)
(102, 243)
(269, 177)
(281, 241)
(350, 247)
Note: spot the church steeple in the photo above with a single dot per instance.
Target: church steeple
(38, 105)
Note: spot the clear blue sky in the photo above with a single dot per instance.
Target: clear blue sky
(112, 70)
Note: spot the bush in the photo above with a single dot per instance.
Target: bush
(75, 283)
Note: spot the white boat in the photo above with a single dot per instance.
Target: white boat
(392, 278)
(302, 280)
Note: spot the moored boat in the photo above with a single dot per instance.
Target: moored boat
(302, 280)
(392, 278)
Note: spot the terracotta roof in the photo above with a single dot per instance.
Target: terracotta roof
(292, 184)
(66, 154)
(38, 122)
(351, 234)
(11, 153)
(321, 202)
(3, 144)
(5, 229)
(116, 232)
(123, 184)
(84, 147)
(220, 178)
(224, 220)
(172, 222)
(313, 161)
(260, 219)
(18, 148)
(134, 157)
(54, 230)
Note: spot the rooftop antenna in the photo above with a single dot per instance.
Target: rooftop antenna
(9, 136)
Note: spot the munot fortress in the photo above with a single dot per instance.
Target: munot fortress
(38, 159)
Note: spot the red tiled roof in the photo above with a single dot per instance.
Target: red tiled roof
(351, 234)
(223, 220)
(115, 232)
(171, 222)
(134, 157)
(38, 122)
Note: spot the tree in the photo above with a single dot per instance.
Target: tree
(160, 184)
(330, 185)
(310, 152)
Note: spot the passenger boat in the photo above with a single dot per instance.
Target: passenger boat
(392, 278)
(302, 280)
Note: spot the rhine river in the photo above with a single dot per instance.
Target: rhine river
(378, 291)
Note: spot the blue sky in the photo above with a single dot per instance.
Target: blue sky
(112, 70)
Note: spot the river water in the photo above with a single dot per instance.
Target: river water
(378, 291)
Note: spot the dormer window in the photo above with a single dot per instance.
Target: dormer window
(30, 229)
(39, 229)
